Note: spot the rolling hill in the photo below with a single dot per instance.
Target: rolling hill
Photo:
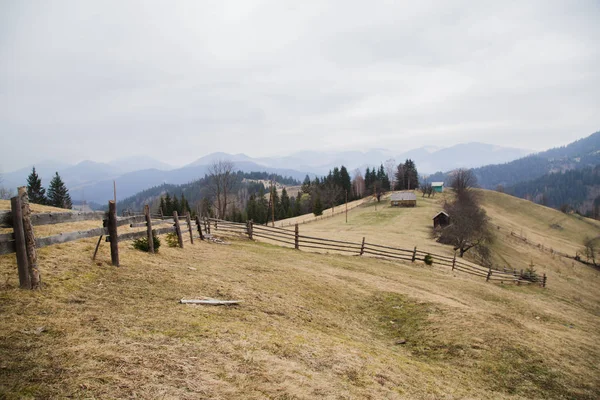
(311, 325)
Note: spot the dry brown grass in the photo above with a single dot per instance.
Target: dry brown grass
(310, 325)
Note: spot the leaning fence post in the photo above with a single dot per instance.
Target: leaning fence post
(149, 229)
(362, 247)
(296, 238)
(34, 271)
(454, 261)
(489, 274)
(162, 216)
(207, 225)
(249, 228)
(414, 256)
(178, 229)
(199, 226)
(189, 223)
(20, 248)
(112, 233)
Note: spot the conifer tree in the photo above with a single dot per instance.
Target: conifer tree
(58, 194)
(318, 207)
(176, 205)
(35, 191)
(168, 205)
(285, 205)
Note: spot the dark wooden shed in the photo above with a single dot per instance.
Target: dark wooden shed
(403, 199)
(441, 219)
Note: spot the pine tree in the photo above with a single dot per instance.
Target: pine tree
(35, 191)
(176, 205)
(285, 205)
(318, 207)
(58, 194)
(168, 205)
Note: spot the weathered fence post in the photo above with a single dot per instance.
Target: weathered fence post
(188, 219)
(149, 229)
(207, 225)
(454, 261)
(362, 247)
(21, 250)
(34, 271)
(544, 280)
(199, 226)
(489, 274)
(112, 233)
(178, 229)
(249, 229)
(162, 216)
(296, 238)
(414, 256)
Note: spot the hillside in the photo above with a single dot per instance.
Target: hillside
(580, 154)
(310, 325)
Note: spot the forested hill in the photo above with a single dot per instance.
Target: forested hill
(199, 189)
(581, 154)
(577, 189)
(577, 155)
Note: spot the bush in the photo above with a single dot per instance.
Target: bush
(428, 259)
(142, 243)
(172, 240)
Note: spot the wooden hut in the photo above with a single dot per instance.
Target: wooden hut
(403, 199)
(437, 186)
(441, 219)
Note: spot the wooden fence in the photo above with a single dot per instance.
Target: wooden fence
(23, 242)
(294, 239)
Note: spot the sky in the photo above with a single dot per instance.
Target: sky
(176, 80)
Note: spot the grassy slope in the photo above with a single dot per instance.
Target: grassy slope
(311, 325)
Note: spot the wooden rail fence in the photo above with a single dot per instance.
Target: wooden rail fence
(23, 242)
(293, 239)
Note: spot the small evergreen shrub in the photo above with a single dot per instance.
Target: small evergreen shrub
(530, 274)
(172, 240)
(428, 259)
(142, 243)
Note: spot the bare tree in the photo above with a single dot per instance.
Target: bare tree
(5, 193)
(590, 249)
(469, 225)
(222, 179)
(358, 184)
(331, 193)
(463, 179)
(390, 170)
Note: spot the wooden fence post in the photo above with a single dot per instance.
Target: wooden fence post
(454, 260)
(489, 274)
(178, 229)
(296, 238)
(207, 224)
(162, 216)
(149, 229)
(362, 247)
(112, 233)
(188, 219)
(34, 271)
(414, 256)
(21, 250)
(544, 280)
(249, 229)
(199, 226)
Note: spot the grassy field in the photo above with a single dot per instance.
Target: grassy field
(310, 325)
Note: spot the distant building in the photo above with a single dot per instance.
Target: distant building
(437, 186)
(403, 199)
(441, 219)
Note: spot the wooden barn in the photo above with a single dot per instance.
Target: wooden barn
(441, 219)
(403, 199)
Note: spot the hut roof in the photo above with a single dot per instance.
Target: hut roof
(441, 212)
(403, 196)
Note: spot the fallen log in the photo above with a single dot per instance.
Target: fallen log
(210, 302)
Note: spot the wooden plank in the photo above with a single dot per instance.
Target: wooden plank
(137, 235)
(210, 302)
(178, 229)
(5, 219)
(189, 224)
(7, 237)
(68, 237)
(130, 220)
(63, 217)
(7, 247)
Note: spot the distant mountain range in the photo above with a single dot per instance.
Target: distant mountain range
(93, 181)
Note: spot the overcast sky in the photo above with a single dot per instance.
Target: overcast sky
(176, 80)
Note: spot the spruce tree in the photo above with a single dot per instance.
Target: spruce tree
(318, 207)
(176, 205)
(58, 194)
(285, 205)
(168, 205)
(35, 191)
